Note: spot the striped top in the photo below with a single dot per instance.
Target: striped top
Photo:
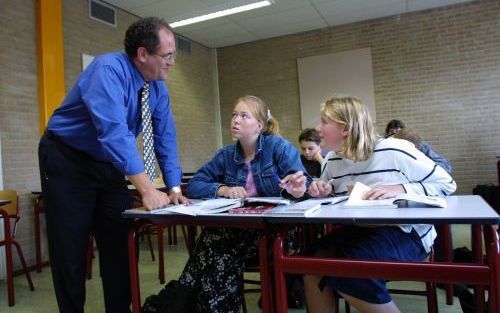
(394, 161)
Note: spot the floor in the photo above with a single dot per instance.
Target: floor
(43, 299)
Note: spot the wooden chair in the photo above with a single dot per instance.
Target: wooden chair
(10, 212)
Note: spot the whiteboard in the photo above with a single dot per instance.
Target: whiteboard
(347, 72)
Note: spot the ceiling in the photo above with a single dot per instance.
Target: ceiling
(281, 18)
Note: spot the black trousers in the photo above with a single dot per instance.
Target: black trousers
(83, 196)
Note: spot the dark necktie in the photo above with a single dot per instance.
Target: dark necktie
(147, 134)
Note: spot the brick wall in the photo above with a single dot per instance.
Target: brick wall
(438, 70)
(191, 83)
(19, 111)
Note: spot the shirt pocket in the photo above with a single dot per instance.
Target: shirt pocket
(270, 184)
(230, 179)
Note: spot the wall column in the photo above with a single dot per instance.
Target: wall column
(50, 58)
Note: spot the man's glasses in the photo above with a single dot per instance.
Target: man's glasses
(168, 57)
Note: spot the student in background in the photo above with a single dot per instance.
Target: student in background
(311, 151)
(393, 127)
(412, 136)
(260, 163)
(390, 166)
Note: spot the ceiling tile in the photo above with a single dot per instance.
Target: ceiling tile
(281, 18)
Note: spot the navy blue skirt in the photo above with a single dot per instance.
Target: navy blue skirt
(377, 243)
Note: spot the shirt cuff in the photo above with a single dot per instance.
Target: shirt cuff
(175, 189)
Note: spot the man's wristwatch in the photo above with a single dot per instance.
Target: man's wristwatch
(175, 189)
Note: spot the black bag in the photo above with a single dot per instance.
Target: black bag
(174, 298)
(490, 194)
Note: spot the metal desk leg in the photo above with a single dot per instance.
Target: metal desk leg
(446, 232)
(135, 289)
(161, 261)
(265, 277)
(477, 252)
(492, 244)
(279, 276)
(38, 253)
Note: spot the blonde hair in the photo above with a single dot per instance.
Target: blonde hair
(262, 113)
(351, 112)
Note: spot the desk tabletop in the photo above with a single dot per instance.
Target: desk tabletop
(461, 210)
(223, 217)
(466, 209)
(4, 202)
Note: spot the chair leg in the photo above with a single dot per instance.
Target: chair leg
(10, 271)
(243, 303)
(161, 266)
(169, 235)
(174, 233)
(432, 305)
(150, 244)
(23, 263)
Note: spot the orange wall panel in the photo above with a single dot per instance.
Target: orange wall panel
(50, 57)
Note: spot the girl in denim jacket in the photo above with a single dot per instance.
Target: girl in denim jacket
(250, 167)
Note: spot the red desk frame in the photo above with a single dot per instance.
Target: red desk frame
(477, 274)
(213, 221)
(37, 209)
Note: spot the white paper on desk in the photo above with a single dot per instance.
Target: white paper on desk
(177, 208)
(216, 205)
(356, 200)
(270, 200)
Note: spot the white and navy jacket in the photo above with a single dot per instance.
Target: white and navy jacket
(394, 161)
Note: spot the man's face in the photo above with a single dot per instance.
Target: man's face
(155, 66)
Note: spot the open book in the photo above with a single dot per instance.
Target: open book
(304, 208)
(356, 200)
(217, 205)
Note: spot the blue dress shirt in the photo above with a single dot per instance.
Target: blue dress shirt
(101, 116)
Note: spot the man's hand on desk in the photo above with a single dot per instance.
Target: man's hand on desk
(154, 199)
(176, 196)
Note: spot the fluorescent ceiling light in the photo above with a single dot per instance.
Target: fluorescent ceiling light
(221, 13)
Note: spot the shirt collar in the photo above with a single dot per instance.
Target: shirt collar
(238, 152)
(137, 78)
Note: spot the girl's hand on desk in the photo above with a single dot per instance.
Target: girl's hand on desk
(295, 184)
(154, 199)
(320, 189)
(232, 192)
(383, 192)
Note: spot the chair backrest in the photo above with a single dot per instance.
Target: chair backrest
(12, 207)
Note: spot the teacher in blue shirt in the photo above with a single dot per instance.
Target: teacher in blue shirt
(89, 148)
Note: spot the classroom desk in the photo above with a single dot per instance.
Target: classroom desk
(461, 210)
(216, 220)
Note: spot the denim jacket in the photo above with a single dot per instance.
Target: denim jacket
(273, 156)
